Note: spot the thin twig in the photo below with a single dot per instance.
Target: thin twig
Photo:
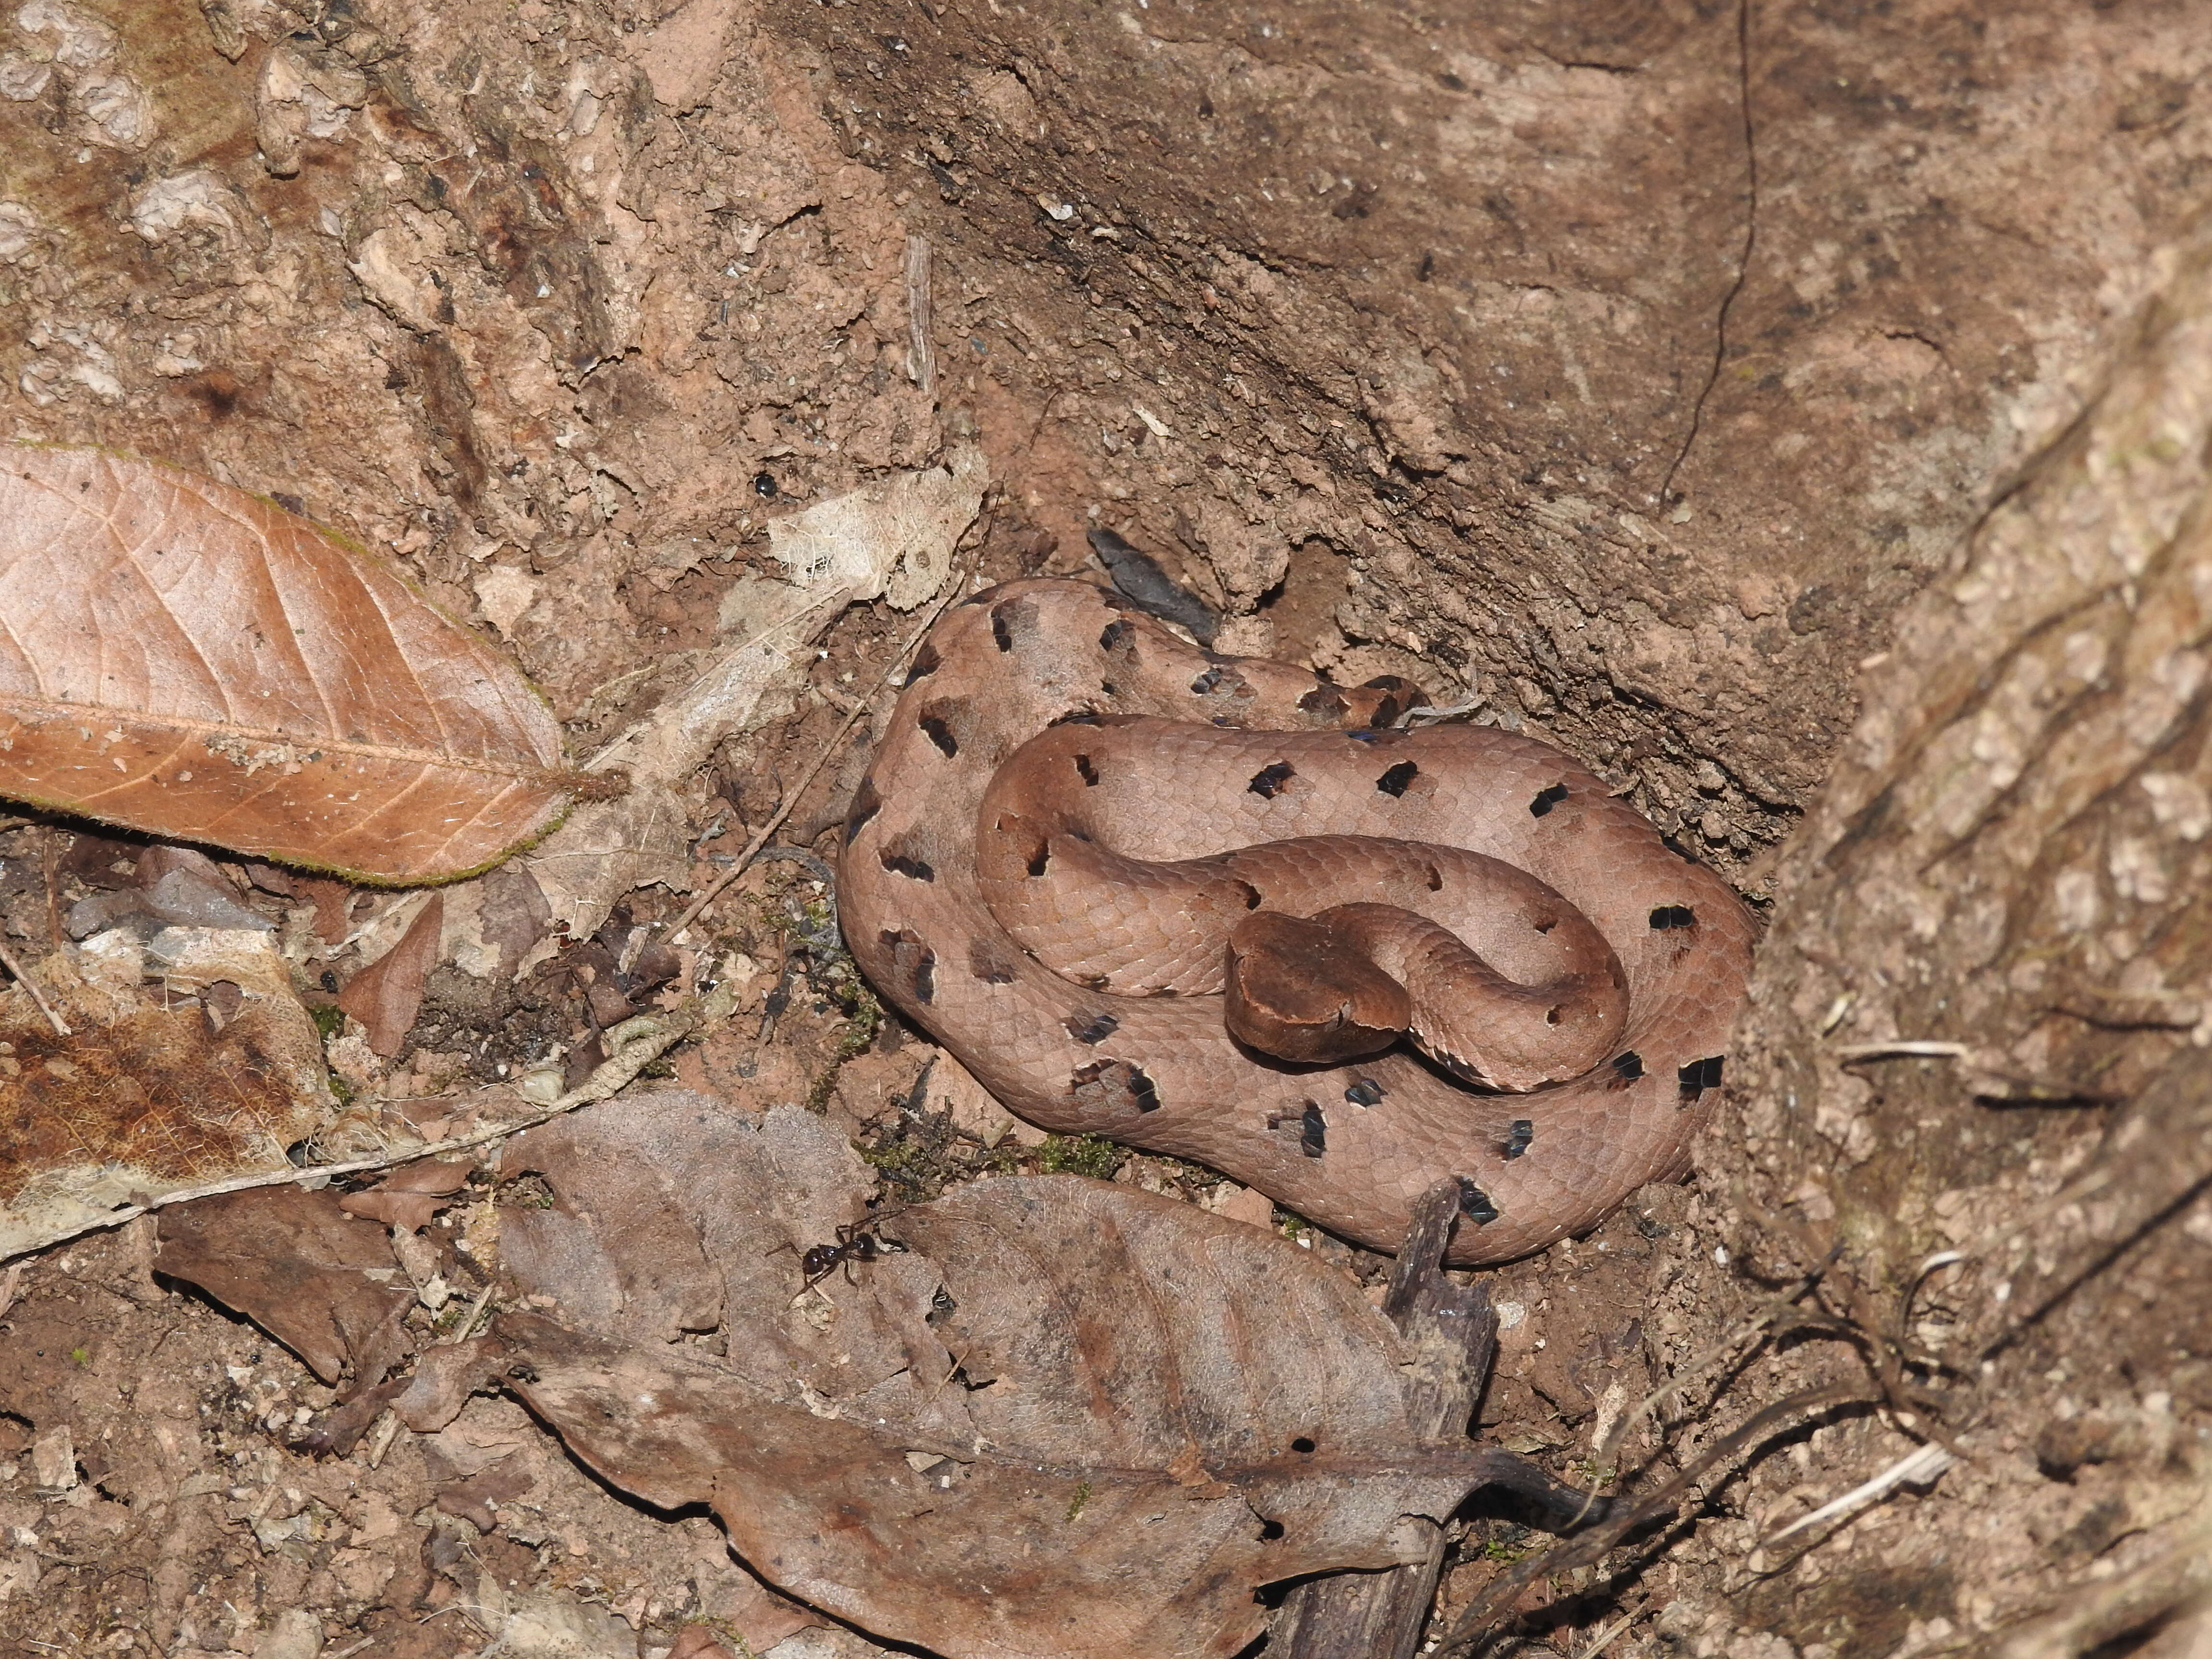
(1603, 1640)
(1901, 1050)
(1920, 1464)
(1728, 1349)
(715, 888)
(31, 986)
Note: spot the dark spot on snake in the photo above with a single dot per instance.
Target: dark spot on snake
(914, 959)
(1372, 738)
(1075, 717)
(1518, 1134)
(1209, 681)
(1545, 923)
(1698, 1076)
(1114, 633)
(1547, 799)
(1085, 770)
(900, 864)
(1040, 858)
(1474, 1203)
(1092, 1029)
(1252, 900)
(987, 965)
(999, 631)
(1270, 1531)
(866, 803)
(1672, 915)
(1096, 1085)
(1313, 1131)
(1324, 703)
(1628, 1065)
(1394, 781)
(940, 734)
(926, 663)
(1365, 1092)
(1304, 1445)
(1267, 782)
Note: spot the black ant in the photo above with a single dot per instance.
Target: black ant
(856, 1242)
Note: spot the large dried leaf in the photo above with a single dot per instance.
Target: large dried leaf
(1076, 1420)
(321, 1281)
(182, 658)
(209, 1074)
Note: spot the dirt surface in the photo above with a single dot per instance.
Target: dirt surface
(1643, 375)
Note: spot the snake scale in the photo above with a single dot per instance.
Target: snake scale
(1072, 809)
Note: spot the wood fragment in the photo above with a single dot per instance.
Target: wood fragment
(1453, 1334)
(921, 347)
(31, 987)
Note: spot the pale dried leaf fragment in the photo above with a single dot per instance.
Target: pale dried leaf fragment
(894, 539)
(183, 659)
(150, 1093)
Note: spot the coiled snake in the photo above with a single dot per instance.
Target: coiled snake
(1189, 902)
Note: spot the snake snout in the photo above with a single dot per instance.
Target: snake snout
(1295, 991)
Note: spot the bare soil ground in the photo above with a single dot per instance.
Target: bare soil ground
(1795, 411)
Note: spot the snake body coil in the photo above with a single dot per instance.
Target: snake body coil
(1058, 923)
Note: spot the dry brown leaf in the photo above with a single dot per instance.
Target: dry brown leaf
(1075, 1420)
(150, 1093)
(411, 1195)
(189, 660)
(171, 886)
(333, 902)
(321, 1283)
(387, 995)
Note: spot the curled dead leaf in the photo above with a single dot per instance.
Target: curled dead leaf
(320, 1282)
(411, 1195)
(187, 659)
